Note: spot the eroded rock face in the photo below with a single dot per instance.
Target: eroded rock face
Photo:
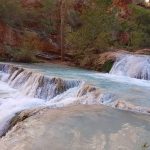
(123, 5)
(79, 127)
(104, 62)
(103, 58)
(31, 3)
(15, 38)
(8, 36)
(143, 52)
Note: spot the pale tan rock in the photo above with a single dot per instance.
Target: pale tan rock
(124, 105)
(79, 128)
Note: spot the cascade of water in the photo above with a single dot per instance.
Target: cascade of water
(132, 66)
(35, 84)
(51, 89)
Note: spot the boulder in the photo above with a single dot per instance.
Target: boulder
(78, 127)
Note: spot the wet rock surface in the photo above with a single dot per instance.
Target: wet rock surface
(79, 127)
(123, 105)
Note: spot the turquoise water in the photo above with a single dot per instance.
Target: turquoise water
(133, 90)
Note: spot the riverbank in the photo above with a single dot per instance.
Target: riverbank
(99, 62)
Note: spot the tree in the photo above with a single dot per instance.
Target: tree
(62, 24)
(65, 7)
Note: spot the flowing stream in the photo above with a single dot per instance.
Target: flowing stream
(25, 86)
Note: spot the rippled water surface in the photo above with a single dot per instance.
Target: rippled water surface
(126, 88)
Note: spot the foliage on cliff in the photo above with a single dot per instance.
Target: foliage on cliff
(103, 27)
(108, 25)
(17, 20)
(90, 26)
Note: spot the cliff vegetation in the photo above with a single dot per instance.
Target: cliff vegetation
(82, 29)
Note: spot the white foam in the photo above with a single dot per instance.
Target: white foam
(12, 101)
(121, 79)
(133, 66)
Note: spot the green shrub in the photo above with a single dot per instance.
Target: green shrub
(23, 55)
(140, 31)
(41, 20)
(101, 27)
(107, 66)
(11, 12)
(96, 30)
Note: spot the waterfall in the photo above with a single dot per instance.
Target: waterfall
(136, 66)
(35, 84)
(50, 89)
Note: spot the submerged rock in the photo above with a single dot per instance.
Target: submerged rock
(85, 90)
(123, 105)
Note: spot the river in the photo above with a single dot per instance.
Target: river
(26, 86)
